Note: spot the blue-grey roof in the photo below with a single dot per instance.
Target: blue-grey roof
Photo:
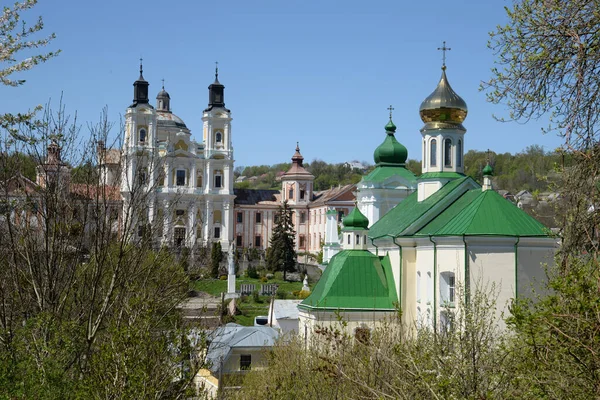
(225, 338)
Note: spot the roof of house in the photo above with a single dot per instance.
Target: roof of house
(255, 196)
(354, 280)
(225, 338)
(340, 193)
(285, 309)
(459, 208)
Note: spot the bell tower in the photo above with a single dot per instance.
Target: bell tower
(443, 112)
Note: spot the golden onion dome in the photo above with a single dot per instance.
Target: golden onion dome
(443, 105)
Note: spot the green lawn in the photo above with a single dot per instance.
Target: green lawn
(247, 305)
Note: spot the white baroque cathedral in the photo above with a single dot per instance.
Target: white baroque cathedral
(192, 201)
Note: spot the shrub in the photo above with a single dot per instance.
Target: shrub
(270, 276)
(302, 294)
(264, 279)
(223, 277)
(281, 294)
(256, 297)
(251, 273)
(278, 275)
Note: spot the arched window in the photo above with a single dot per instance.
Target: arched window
(459, 153)
(142, 135)
(447, 288)
(219, 137)
(447, 152)
(433, 153)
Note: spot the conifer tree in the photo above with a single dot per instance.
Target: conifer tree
(216, 255)
(282, 253)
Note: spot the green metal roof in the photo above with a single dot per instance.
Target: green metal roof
(449, 213)
(438, 175)
(487, 214)
(354, 280)
(355, 220)
(383, 172)
(395, 222)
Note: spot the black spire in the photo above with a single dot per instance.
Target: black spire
(140, 88)
(216, 96)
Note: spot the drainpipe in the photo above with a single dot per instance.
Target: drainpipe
(467, 274)
(516, 262)
(376, 248)
(400, 291)
(434, 283)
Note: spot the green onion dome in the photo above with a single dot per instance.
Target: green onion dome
(488, 171)
(390, 152)
(355, 220)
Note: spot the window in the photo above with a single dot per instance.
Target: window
(219, 137)
(349, 240)
(238, 241)
(357, 239)
(180, 177)
(245, 362)
(218, 181)
(340, 215)
(179, 236)
(291, 194)
(459, 152)
(301, 194)
(301, 241)
(217, 232)
(447, 152)
(364, 239)
(433, 153)
(257, 241)
(142, 178)
(142, 135)
(141, 230)
(302, 217)
(447, 288)
(418, 286)
(240, 217)
(179, 213)
(258, 218)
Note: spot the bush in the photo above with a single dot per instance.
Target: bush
(256, 297)
(251, 273)
(264, 279)
(270, 276)
(223, 277)
(281, 294)
(278, 275)
(302, 294)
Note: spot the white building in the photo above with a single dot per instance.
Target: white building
(451, 233)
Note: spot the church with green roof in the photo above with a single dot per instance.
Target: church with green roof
(422, 244)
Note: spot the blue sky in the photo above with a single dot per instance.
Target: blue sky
(318, 72)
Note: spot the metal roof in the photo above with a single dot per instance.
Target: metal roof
(354, 280)
(230, 336)
(383, 173)
(399, 218)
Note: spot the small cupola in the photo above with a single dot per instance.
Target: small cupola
(488, 172)
(140, 89)
(216, 95)
(390, 152)
(355, 229)
(163, 100)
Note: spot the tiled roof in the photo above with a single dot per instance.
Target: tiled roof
(86, 191)
(354, 280)
(336, 193)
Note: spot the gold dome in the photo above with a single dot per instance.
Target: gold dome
(443, 105)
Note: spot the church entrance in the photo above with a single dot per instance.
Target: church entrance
(179, 237)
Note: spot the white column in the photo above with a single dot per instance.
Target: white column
(166, 222)
(192, 210)
(226, 223)
(207, 221)
(208, 177)
(169, 173)
(226, 179)
(193, 175)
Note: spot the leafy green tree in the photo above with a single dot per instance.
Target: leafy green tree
(216, 256)
(282, 251)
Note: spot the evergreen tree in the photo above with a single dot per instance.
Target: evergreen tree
(282, 253)
(216, 255)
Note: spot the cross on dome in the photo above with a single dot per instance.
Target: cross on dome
(390, 108)
(444, 49)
